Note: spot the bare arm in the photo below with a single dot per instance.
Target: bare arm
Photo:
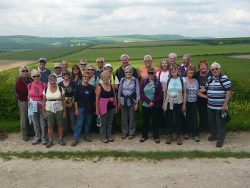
(97, 94)
(225, 105)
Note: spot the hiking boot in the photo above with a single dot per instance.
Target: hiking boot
(74, 143)
(178, 140)
(105, 141)
(44, 141)
(196, 138)
(124, 136)
(186, 136)
(157, 141)
(211, 138)
(131, 137)
(49, 144)
(168, 139)
(111, 140)
(87, 139)
(35, 141)
(61, 142)
(26, 139)
(219, 144)
(142, 139)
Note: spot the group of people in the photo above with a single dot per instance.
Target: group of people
(171, 96)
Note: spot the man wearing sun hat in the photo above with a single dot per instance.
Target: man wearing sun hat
(43, 70)
(58, 72)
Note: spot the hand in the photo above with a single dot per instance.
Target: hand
(224, 108)
(151, 104)
(184, 107)
(97, 113)
(76, 112)
(136, 107)
(64, 114)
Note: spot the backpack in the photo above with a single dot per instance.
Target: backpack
(211, 80)
(181, 78)
(60, 88)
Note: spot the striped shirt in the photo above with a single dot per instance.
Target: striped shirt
(216, 91)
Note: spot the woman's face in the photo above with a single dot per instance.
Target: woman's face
(75, 70)
(203, 67)
(24, 72)
(66, 76)
(151, 76)
(164, 65)
(53, 82)
(91, 71)
(36, 77)
(190, 73)
(86, 78)
(105, 79)
(128, 73)
(174, 71)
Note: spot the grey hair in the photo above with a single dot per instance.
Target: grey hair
(99, 59)
(215, 65)
(83, 60)
(128, 68)
(124, 55)
(105, 73)
(90, 66)
(35, 72)
(52, 77)
(147, 57)
(23, 67)
(187, 56)
(172, 54)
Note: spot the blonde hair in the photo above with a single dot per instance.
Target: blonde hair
(105, 73)
(23, 67)
(90, 66)
(35, 72)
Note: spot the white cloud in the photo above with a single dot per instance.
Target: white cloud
(115, 17)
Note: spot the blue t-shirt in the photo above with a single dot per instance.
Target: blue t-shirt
(175, 88)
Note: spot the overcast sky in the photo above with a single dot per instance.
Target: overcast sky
(80, 18)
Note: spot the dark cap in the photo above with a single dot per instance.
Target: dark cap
(151, 70)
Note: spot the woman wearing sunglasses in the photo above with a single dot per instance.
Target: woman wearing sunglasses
(128, 98)
(21, 93)
(35, 89)
(151, 95)
(76, 74)
(174, 104)
(69, 88)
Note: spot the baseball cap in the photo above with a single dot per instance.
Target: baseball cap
(57, 65)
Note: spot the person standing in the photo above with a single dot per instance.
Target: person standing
(21, 93)
(128, 98)
(151, 96)
(54, 109)
(185, 63)
(106, 107)
(218, 88)
(120, 72)
(58, 72)
(35, 90)
(84, 109)
(43, 70)
(76, 75)
(100, 67)
(83, 64)
(65, 65)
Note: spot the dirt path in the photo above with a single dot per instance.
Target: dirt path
(110, 172)
(10, 64)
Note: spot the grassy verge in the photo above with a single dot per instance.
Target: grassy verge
(9, 126)
(124, 155)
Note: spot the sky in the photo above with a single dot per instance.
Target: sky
(86, 18)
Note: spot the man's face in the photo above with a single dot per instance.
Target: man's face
(215, 71)
(172, 60)
(185, 61)
(42, 64)
(124, 61)
(64, 65)
(58, 70)
(100, 63)
(148, 62)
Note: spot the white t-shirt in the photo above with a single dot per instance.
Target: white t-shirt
(163, 79)
(54, 100)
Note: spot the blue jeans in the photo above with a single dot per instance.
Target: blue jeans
(83, 121)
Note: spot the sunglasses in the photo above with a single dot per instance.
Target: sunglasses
(90, 69)
(66, 74)
(214, 69)
(83, 64)
(174, 68)
(128, 72)
(37, 76)
(151, 73)
(25, 71)
(87, 77)
(100, 62)
(58, 67)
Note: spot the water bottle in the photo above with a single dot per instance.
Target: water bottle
(98, 121)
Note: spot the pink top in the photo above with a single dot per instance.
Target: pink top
(103, 102)
(36, 91)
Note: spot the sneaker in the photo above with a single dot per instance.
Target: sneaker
(211, 138)
(111, 140)
(157, 141)
(124, 136)
(196, 138)
(186, 136)
(61, 142)
(131, 137)
(74, 143)
(178, 140)
(87, 139)
(49, 144)
(44, 141)
(219, 144)
(168, 139)
(35, 141)
(142, 139)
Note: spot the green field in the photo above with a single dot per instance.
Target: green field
(237, 69)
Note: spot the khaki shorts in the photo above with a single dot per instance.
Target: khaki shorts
(55, 118)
